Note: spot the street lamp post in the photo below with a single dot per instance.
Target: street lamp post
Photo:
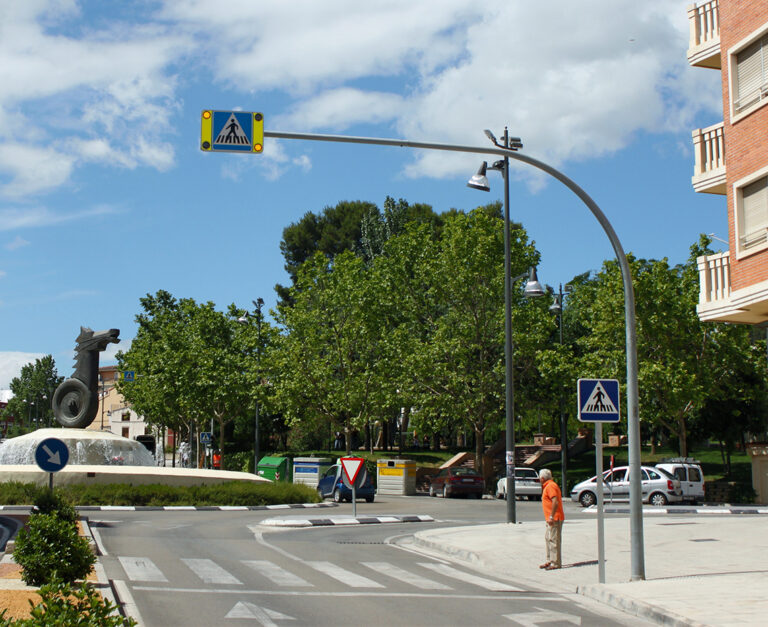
(479, 181)
(258, 303)
(557, 309)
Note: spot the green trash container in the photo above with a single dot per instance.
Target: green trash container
(275, 468)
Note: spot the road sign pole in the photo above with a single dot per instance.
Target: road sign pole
(50, 481)
(354, 501)
(600, 513)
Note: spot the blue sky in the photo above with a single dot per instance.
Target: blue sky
(105, 195)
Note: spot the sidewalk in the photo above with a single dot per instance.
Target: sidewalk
(700, 570)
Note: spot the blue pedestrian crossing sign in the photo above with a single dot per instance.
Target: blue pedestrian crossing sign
(206, 437)
(231, 131)
(598, 400)
(51, 455)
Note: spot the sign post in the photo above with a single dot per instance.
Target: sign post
(51, 456)
(351, 475)
(598, 402)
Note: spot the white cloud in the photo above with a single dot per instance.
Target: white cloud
(340, 108)
(33, 169)
(3, 273)
(11, 363)
(16, 243)
(11, 219)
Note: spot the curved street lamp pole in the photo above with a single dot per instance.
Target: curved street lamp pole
(633, 422)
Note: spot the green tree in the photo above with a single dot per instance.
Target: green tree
(326, 361)
(32, 393)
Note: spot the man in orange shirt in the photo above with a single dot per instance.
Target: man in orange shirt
(552, 504)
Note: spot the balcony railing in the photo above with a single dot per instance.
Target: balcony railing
(704, 46)
(709, 160)
(714, 279)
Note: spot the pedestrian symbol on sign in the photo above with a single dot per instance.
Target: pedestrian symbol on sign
(232, 133)
(598, 402)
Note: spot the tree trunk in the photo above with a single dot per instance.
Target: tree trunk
(682, 436)
(479, 450)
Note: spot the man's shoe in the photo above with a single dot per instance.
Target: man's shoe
(545, 565)
(551, 567)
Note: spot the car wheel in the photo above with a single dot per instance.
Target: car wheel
(369, 499)
(657, 499)
(337, 496)
(587, 499)
(445, 491)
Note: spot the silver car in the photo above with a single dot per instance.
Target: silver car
(658, 487)
(526, 484)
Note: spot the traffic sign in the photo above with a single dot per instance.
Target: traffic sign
(51, 455)
(231, 131)
(129, 375)
(206, 437)
(598, 400)
(351, 467)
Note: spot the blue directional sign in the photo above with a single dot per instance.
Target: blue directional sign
(598, 400)
(206, 437)
(51, 455)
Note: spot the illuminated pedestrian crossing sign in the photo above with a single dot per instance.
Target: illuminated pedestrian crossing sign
(231, 131)
(598, 400)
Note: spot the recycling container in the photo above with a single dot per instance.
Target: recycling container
(396, 476)
(275, 468)
(308, 470)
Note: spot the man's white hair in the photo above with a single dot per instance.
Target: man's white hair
(545, 474)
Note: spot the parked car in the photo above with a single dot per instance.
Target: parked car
(526, 485)
(688, 472)
(331, 485)
(456, 481)
(658, 487)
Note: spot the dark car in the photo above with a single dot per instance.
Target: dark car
(456, 481)
(332, 485)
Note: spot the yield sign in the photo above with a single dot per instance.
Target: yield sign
(352, 466)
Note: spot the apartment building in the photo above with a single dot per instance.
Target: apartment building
(731, 157)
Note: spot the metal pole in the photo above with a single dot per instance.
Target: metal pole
(563, 425)
(258, 303)
(600, 514)
(633, 421)
(508, 371)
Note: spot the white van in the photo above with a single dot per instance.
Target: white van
(688, 472)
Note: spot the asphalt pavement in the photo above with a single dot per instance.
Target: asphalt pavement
(700, 568)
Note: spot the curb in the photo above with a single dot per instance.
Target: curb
(177, 508)
(733, 510)
(462, 554)
(636, 607)
(327, 522)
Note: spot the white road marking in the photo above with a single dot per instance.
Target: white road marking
(264, 615)
(276, 574)
(210, 572)
(346, 577)
(405, 576)
(540, 616)
(141, 569)
(482, 582)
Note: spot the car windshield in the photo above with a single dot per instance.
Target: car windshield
(666, 473)
(463, 472)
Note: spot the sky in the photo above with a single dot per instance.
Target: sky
(105, 195)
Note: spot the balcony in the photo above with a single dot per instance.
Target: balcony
(709, 160)
(719, 303)
(704, 45)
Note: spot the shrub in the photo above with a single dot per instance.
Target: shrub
(49, 549)
(63, 604)
(49, 501)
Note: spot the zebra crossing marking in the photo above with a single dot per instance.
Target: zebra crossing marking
(276, 574)
(210, 572)
(405, 576)
(346, 577)
(141, 569)
(482, 582)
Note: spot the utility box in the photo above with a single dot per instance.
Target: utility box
(275, 468)
(308, 470)
(396, 476)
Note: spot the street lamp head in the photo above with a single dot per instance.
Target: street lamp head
(243, 319)
(532, 287)
(480, 180)
(491, 136)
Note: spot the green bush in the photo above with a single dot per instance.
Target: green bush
(49, 549)
(241, 461)
(62, 604)
(48, 501)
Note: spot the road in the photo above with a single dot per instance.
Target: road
(225, 568)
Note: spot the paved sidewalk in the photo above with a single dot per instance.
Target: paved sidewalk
(700, 570)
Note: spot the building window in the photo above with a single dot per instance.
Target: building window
(126, 416)
(752, 205)
(748, 67)
(126, 431)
